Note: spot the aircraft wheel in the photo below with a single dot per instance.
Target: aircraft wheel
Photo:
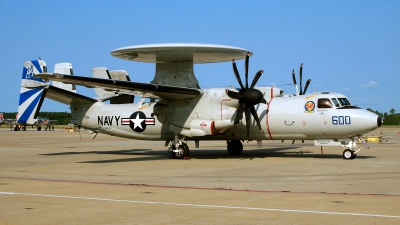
(39, 128)
(186, 149)
(183, 151)
(348, 154)
(235, 147)
(23, 128)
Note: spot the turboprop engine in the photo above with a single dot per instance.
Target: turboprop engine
(193, 127)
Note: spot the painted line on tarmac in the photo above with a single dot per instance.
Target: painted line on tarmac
(203, 205)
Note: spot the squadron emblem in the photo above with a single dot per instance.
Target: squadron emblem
(309, 107)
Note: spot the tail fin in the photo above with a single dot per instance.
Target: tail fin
(33, 91)
(64, 68)
(103, 72)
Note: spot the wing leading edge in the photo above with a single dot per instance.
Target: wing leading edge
(126, 87)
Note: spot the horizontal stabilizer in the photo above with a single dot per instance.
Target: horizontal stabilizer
(67, 97)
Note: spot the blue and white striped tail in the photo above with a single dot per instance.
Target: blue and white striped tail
(33, 91)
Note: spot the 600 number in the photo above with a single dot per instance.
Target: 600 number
(341, 120)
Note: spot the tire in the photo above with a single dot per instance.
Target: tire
(184, 152)
(24, 128)
(235, 147)
(39, 128)
(348, 154)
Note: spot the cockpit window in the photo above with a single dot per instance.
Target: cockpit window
(324, 103)
(344, 101)
(335, 101)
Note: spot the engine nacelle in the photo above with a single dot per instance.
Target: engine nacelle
(160, 108)
(202, 128)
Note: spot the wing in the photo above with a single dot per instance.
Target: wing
(126, 87)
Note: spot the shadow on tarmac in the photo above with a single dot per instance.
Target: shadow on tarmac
(249, 154)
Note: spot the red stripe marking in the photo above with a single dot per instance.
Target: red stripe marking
(266, 116)
(149, 121)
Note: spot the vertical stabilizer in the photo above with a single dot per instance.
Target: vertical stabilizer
(102, 72)
(115, 98)
(64, 68)
(33, 91)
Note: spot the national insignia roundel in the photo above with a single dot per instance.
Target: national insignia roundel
(138, 121)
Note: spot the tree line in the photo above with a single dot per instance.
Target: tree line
(391, 118)
(63, 118)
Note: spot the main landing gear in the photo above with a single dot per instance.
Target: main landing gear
(235, 147)
(351, 150)
(178, 148)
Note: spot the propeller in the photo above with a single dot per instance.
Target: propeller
(301, 91)
(247, 96)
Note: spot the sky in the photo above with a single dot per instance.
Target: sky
(350, 47)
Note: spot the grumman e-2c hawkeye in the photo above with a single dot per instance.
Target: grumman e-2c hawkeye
(179, 109)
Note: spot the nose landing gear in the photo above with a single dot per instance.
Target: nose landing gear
(351, 150)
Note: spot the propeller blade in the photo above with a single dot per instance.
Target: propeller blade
(247, 114)
(295, 83)
(234, 95)
(237, 73)
(294, 78)
(263, 101)
(246, 68)
(255, 116)
(239, 113)
(301, 79)
(256, 77)
(307, 83)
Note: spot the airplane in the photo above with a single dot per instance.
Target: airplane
(178, 109)
(42, 121)
(6, 121)
(37, 122)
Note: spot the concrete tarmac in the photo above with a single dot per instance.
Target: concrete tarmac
(54, 177)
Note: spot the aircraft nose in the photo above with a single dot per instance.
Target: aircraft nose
(379, 121)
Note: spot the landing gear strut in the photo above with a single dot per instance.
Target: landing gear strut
(351, 150)
(178, 148)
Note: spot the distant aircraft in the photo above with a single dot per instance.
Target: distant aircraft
(6, 121)
(38, 123)
(180, 110)
(43, 121)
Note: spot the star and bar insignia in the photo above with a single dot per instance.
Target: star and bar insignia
(138, 121)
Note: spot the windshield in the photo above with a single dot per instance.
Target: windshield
(335, 101)
(344, 101)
